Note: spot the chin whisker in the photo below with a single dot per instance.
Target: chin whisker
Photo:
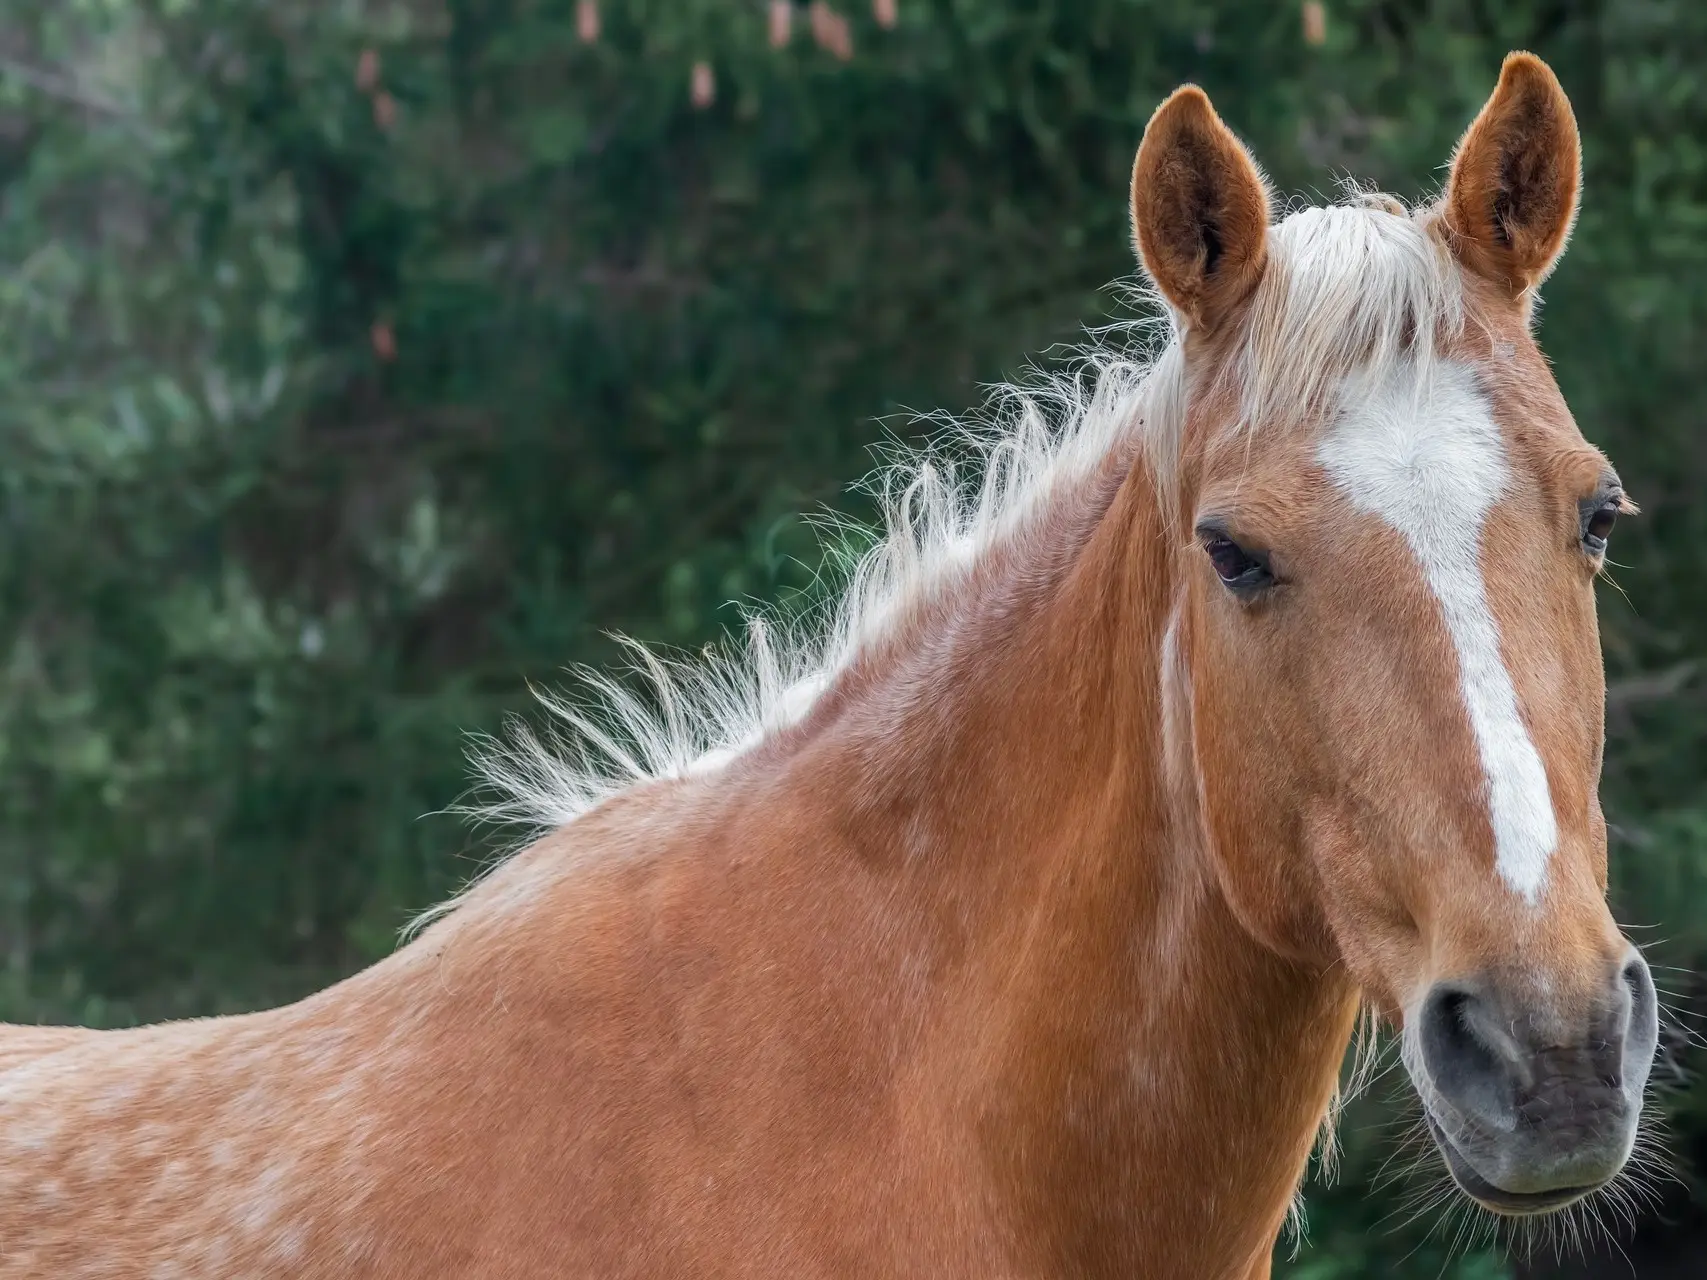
(1426, 1207)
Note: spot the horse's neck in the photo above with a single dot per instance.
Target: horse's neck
(971, 868)
(952, 942)
(1142, 1067)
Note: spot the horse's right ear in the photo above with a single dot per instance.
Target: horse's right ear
(1199, 210)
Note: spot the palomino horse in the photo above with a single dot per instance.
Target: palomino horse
(1017, 925)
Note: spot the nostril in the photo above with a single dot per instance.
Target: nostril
(1625, 1013)
(1641, 1030)
(1467, 1066)
(1449, 1046)
(1640, 983)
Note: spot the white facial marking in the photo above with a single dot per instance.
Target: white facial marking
(1426, 456)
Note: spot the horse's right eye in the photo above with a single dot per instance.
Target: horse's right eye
(1239, 570)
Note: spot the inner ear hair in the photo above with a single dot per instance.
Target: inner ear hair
(1200, 210)
(1516, 175)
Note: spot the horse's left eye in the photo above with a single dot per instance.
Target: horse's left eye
(1598, 527)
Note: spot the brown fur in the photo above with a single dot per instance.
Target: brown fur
(1031, 951)
(24, 1044)
(1200, 210)
(1512, 197)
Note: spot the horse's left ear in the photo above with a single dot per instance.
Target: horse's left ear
(1512, 196)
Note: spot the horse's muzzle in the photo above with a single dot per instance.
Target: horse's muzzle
(1534, 1108)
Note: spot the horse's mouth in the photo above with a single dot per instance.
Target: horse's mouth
(1511, 1204)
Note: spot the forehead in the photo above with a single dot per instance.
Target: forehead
(1454, 435)
(1366, 331)
(1419, 448)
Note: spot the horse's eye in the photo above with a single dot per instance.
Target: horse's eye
(1237, 568)
(1598, 527)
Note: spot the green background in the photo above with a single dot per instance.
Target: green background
(332, 415)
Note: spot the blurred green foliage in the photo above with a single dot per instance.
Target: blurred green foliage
(340, 396)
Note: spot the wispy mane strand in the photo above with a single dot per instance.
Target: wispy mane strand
(974, 483)
(1353, 285)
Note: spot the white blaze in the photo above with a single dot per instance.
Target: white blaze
(1426, 456)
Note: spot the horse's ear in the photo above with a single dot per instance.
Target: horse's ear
(1199, 210)
(1512, 196)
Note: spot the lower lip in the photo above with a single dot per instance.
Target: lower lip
(1512, 1204)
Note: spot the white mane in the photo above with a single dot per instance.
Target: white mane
(1347, 287)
